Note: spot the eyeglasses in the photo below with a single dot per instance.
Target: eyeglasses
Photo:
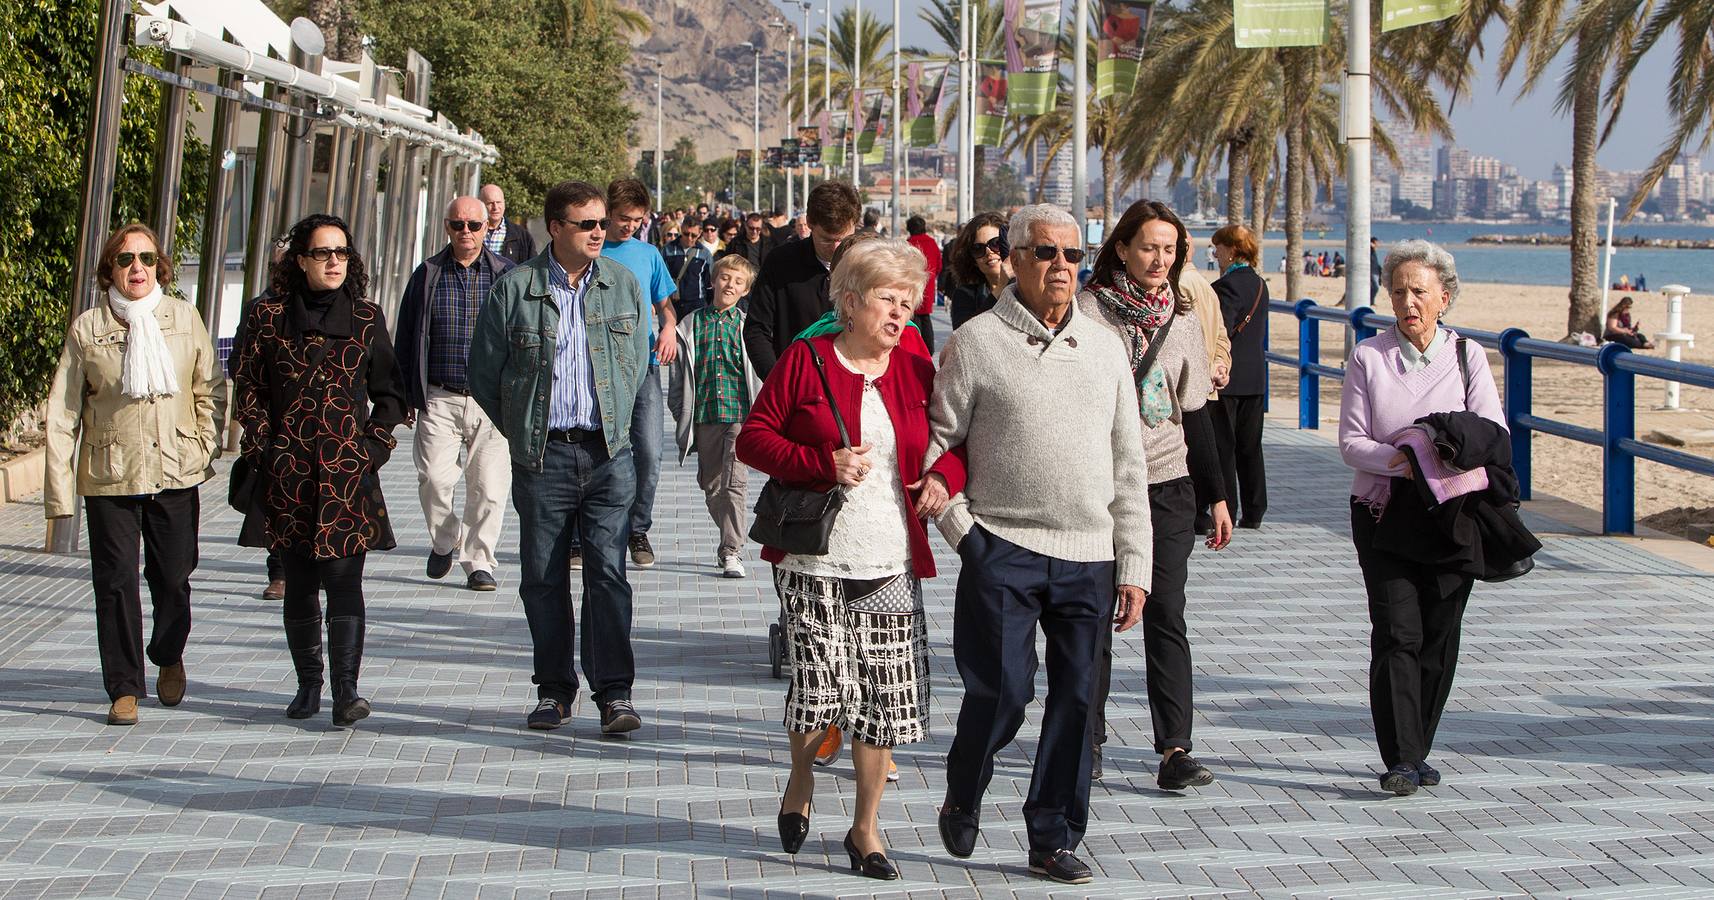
(457, 225)
(586, 224)
(1046, 253)
(124, 260)
(323, 254)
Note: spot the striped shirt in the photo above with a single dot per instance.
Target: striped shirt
(722, 397)
(572, 402)
(458, 296)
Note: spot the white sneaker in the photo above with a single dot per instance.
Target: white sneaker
(730, 567)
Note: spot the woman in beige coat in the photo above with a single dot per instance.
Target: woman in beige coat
(131, 413)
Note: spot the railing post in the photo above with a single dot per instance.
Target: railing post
(1618, 482)
(1360, 326)
(1308, 353)
(1519, 389)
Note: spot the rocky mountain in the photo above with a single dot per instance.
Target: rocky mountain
(708, 87)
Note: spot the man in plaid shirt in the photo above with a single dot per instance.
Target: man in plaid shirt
(437, 318)
(710, 396)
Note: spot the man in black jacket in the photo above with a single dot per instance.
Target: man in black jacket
(791, 291)
(509, 239)
(754, 243)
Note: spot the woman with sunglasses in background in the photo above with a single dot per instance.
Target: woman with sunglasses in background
(132, 407)
(980, 266)
(319, 393)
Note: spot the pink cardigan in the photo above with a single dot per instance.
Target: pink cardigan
(1380, 398)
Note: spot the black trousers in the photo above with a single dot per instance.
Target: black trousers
(1415, 616)
(1166, 640)
(307, 578)
(166, 526)
(1238, 436)
(1004, 592)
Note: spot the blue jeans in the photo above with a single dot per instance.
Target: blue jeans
(646, 433)
(579, 489)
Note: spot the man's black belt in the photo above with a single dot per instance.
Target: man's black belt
(451, 389)
(574, 435)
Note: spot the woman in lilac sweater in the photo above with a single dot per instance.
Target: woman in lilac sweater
(1393, 379)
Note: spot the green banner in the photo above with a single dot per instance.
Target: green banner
(990, 103)
(927, 81)
(838, 138)
(1032, 55)
(1124, 28)
(1279, 23)
(877, 126)
(1396, 14)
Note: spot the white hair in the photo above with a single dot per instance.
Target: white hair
(1428, 254)
(1028, 217)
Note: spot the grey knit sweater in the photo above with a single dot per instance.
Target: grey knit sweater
(1184, 361)
(1050, 426)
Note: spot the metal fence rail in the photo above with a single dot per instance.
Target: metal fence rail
(1618, 366)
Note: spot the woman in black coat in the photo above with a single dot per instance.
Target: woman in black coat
(1238, 412)
(319, 393)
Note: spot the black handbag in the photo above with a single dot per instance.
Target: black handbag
(800, 520)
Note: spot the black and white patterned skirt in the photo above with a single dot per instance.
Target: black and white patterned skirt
(859, 656)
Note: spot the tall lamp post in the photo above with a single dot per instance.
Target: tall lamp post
(806, 8)
(786, 166)
(856, 93)
(826, 86)
(1080, 122)
(660, 131)
(898, 136)
(756, 131)
(967, 113)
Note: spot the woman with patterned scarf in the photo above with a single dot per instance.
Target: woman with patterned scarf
(1134, 292)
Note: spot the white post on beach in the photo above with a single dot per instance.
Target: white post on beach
(1674, 338)
(1606, 271)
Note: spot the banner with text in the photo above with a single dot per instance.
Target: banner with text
(1119, 55)
(809, 145)
(990, 102)
(1396, 14)
(927, 82)
(1279, 23)
(1032, 55)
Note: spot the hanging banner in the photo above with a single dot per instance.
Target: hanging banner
(771, 157)
(791, 156)
(877, 127)
(927, 82)
(1279, 23)
(1032, 55)
(990, 102)
(838, 138)
(809, 145)
(1396, 14)
(744, 157)
(1124, 29)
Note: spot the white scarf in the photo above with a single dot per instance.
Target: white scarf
(148, 365)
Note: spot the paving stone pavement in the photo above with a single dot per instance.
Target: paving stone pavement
(1576, 747)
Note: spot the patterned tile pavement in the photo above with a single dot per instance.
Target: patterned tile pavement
(1576, 749)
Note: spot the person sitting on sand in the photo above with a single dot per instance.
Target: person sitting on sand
(1621, 330)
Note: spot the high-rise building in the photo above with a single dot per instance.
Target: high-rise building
(1454, 162)
(1674, 197)
(1486, 167)
(1562, 175)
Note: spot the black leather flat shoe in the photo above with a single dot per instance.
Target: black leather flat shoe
(794, 827)
(875, 865)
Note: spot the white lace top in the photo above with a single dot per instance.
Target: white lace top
(870, 537)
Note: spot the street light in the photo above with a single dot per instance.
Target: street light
(806, 8)
(756, 127)
(660, 130)
(785, 167)
(856, 93)
(898, 136)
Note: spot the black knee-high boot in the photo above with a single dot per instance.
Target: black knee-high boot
(303, 638)
(345, 657)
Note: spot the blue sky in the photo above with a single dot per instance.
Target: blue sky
(1492, 120)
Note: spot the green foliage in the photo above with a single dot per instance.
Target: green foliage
(547, 96)
(47, 53)
(686, 182)
(1002, 189)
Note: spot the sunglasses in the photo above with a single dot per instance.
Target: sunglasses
(1046, 253)
(672, 235)
(586, 224)
(323, 254)
(124, 260)
(995, 245)
(457, 225)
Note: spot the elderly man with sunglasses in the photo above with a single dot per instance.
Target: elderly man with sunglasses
(560, 353)
(436, 320)
(1036, 388)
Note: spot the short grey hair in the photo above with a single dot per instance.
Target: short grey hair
(875, 263)
(1428, 254)
(1019, 226)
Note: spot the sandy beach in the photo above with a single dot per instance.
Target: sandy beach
(1666, 498)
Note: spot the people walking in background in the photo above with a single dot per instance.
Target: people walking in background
(1374, 268)
(511, 240)
(981, 266)
(1205, 305)
(854, 615)
(319, 393)
(1055, 516)
(791, 289)
(276, 589)
(437, 317)
(692, 269)
(1620, 329)
(755, 242)
(557, 361)
(713, 387)
(1132, 294)
(130, 429)
(917, 228)
(1393, 381)
(1238, 413)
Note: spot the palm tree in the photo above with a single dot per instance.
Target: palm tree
(576, 14)
(877, 69)
(941, 16)
(1602, 31)
(1690, 97)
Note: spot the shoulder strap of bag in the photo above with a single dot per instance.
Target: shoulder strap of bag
(1155, 345)
(1260, 287)
(1464, 369)
(821, 369)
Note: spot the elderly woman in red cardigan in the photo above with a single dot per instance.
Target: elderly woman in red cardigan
(854, 619)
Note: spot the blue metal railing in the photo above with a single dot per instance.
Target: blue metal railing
(1617, 365)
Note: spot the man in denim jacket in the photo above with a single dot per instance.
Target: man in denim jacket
(559, 354)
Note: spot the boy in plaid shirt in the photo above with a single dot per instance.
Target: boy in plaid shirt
(710, 395)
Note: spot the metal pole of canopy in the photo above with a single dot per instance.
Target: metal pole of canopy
(264, 200)
(308, 44)
(169, 156)
(212, 276)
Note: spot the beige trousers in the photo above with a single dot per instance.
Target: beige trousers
(723, 480)
(455, 425)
